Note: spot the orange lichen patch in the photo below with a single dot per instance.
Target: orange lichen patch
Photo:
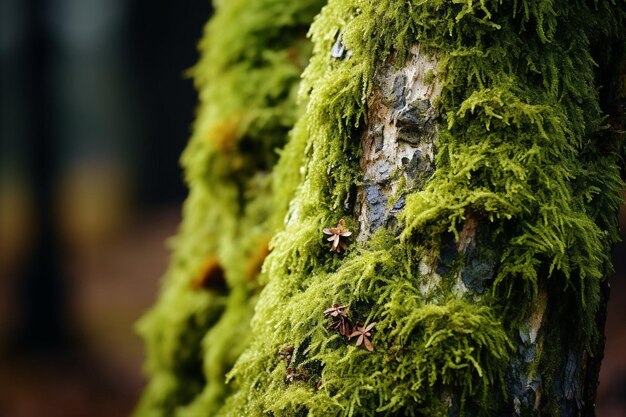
(223, 134)
(256, 259)
(211, 277)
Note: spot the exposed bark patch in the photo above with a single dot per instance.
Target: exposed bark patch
(468, 233)
(398, 154)
(523, 380)
(537, 315)
(480, 266)
(432, 279)
(568, 385)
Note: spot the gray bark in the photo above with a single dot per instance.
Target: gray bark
(399, 141)
(398, 151)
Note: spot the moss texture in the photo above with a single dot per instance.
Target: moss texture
(252, 55)
(521, 147)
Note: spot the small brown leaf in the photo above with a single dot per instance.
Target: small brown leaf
(339, 314)
(368, 344)
(363, 333)
(336, 233)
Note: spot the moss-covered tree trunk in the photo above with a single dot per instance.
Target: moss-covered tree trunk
(441, 217)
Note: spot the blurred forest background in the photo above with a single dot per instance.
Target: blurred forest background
(94, 113)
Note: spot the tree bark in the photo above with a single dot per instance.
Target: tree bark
(398, 143)
(459, 149)
(398, 153)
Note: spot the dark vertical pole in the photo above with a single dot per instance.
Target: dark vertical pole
(42, 292)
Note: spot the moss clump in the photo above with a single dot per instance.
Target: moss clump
(520, 146)
(252, 55)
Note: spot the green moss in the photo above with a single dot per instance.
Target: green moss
(252, 55)
(519, 146)
(420, 346)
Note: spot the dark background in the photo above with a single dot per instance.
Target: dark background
(95, 111)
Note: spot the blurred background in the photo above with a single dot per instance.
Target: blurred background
(94, 113)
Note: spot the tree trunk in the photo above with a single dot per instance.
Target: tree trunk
(463, 145)
(252, 55)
